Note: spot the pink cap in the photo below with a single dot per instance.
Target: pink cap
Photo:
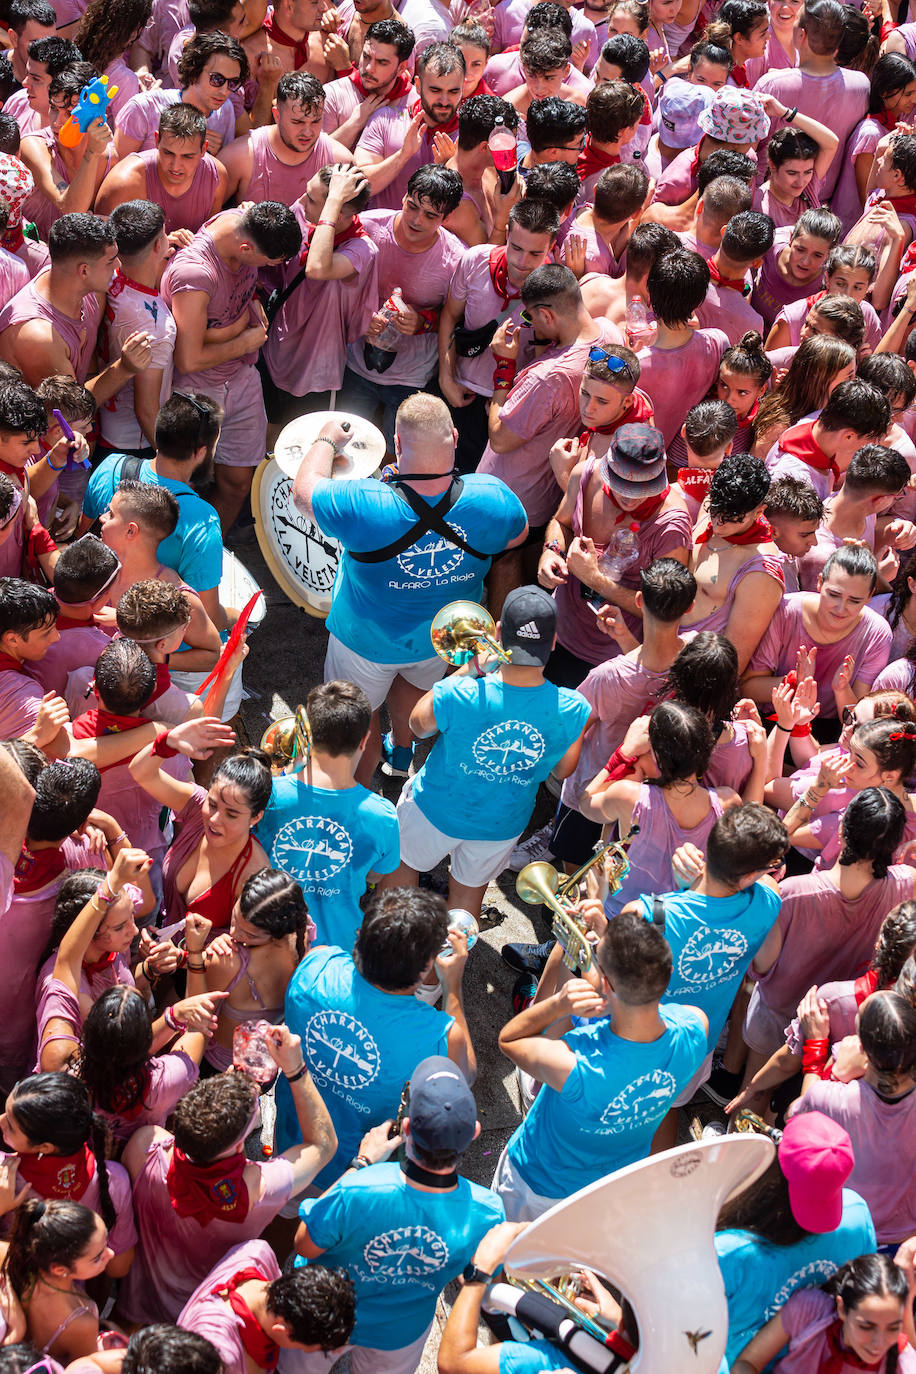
(816, 1158)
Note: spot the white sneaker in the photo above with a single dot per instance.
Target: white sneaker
(532, 850)
(528, 1089)
(428, 992)
(713, 1130)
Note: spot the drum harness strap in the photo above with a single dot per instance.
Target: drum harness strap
(429, 519)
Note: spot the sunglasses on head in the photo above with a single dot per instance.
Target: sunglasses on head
(219, 81)
(611, 361)
(203, 415)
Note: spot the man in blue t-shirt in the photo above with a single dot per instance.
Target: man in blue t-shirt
(606, 1084)
(322, 826)
(500, 735)
(439, 533)
(403, 1232)
(362, 1028)
(187, 430)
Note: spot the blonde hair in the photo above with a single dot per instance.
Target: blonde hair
(423, 419)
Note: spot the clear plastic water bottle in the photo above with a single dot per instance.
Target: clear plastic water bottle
(250, 1053)
(638, 325)
(621, 552)
(504, 152)
(380, 352)
(459, 919)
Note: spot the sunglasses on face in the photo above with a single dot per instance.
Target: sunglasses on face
(611, 361)
(219, 81)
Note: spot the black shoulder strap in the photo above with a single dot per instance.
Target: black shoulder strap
(277, 299)
(658, 912)
(130, 470)
(429, 518)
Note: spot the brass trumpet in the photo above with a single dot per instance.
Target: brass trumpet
(462, 629)
(288, 743)
(539, 884)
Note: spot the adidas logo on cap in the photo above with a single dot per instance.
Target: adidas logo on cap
(528, 631)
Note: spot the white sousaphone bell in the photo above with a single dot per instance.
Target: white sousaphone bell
(648, 1229)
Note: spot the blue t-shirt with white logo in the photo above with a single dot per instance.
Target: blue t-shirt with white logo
(610, 1105)
(497, 744)
(383, 611)
(361, 1046)
(531, 1357)
(194, 548)
(329, 840)
(759, 1277)
(713, 940)
(399, 1245)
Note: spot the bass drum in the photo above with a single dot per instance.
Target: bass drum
(301, 558)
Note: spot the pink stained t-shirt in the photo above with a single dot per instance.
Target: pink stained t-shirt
(598, 256)
(882, 1135)
(210, 1316)
(77, 646)
(796, 312)
(728, 310)
(843, 95)
(131, 307)
(199, 267)
(772, 291)
(123, 1235)
(653, 847)
(509, 20)
(472, 284)
(862, 142)
(675, 379)
(806, 1317)
(843, 1002)
(731, 763)
(424, 279)
(619, 690)
(785, 216)
(896, 677)
(54, 999)
(306, 348)
(503, 73)
(272, 179)
(139, 118)
(868, 642)
(176, 1253)
(20, 699)
(542, 407)
(678, 181)
(384, 135)
(775, 58)
(18, 106)
(14, 275)
(79, 335)
(341, 98)
(192, 209)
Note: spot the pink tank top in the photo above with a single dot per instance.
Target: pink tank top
(272, 179)
(190, 210)
(652, 849)
(78, 335)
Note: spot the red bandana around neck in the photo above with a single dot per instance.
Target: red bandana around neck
(35, 871)
(12, 239)
(695, 163)
(499, 277)
(885, 117)
(481, 89)
(904, 205)
(74, 622)
(813, 300)
(909, 261)
(733, 283)
(8, 664)
(738, 74)
(644, 511)
(759, 533)
(58, 1176)
(592, 160)
(639, 413)
(18, 474)
(695, 482)
(800, 442)
(300, 45)
(91, 968)
(353, 230)
(402, 85)
(840, 1357)
(432, 129)
(208, 1192)
(254, 1338)
(864, 987)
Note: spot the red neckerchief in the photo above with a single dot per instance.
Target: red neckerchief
(8, 664)
(738, 74)
(639, 413)
(903, 205)
(450, 128)
(402, 85)
(301, 45)
(733, 283)
(10, 471)
(696, 482)
(121, 280)
(97, 722)
(208, 1192)
(864, 987)
(840, 1356)
(481, 89)
(163, 682)
(72, 622)
(592, 160)
(887, 28)
(813, 300)
(909, 259)
(352, 231)
(35, 870)
(58, 1176)
(499, 277)
(99, 965)
(12, 238)
(695, 164)
(885, 117)
(759, 533)
(254, 1338)
(646, 116)
(644, 511)
(799, 441)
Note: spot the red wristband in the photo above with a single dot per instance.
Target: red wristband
(620, 765)
(163, 750)
(887, 28)
(814, 1056)
(801, 731)
(40, 541)
(430, 320)
(504, 372)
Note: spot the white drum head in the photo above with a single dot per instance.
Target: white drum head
(362, 456)
(302, 559)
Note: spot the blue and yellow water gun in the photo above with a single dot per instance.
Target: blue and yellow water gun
(93, 104)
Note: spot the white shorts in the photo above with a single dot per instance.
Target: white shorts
(343, 665)
(362, 1359)
(764, 1029)
(521, 1202)
(474, 863)
(693, 1087)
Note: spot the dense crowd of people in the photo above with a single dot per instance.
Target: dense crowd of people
(628, 287)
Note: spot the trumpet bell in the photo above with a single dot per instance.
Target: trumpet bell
(287, 741)
(538, 884)
(461, 629)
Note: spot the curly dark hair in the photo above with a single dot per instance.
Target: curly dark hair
(895, 943)
(705, 675)
(201, 48)
(213, 1114)
(739, 485)
(318, 1305)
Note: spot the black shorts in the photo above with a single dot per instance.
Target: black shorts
(566, 669)
(573, 836)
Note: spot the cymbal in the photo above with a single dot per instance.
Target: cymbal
(363, 455)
